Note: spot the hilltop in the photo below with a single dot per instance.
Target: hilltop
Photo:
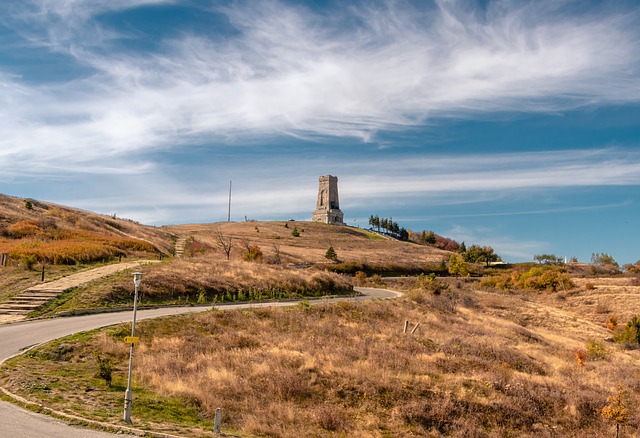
(352, 245)
(23, 219)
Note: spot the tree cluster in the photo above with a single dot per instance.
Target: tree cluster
(548, 259)
(474, 254)
(388, 226)
(632, 268)
(479, 254)
(435, 240)
(603, 259)
(603, 262)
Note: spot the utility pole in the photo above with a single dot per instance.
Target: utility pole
(229, 212)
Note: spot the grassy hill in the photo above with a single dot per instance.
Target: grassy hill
(26, 218)
(266, 261)
(352, 245)
(64, 240)
(528, 352)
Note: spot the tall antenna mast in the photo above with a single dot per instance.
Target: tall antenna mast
(229, 212)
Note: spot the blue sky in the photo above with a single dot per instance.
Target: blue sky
(513, 124)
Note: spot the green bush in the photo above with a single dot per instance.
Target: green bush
(105, 368)
(253, 254)
(596, 350)
(540, 278)
(629, 334)
(457, 266)
(430, 283)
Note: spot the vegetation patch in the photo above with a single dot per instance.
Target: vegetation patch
(387, 269)
(201, 280)
(288, 372)
(540, 278)
(86, 375)
(37, 241)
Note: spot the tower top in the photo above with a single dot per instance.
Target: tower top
(328, 204)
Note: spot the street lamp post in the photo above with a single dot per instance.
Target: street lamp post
(128, 395)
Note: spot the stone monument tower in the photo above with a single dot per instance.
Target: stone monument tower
(328, 205)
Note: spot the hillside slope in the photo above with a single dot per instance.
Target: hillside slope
(14, 210)
(350, 244)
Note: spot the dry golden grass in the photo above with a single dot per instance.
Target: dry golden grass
(597, 299)
(351, 244)
(480, 364)
(222, 280)
(47, 221)
(203, 280)
(58, 235)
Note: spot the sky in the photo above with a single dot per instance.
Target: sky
(512, 124)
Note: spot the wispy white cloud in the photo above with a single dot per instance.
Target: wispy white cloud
(492, 173)
(276, 188)
(287, 70)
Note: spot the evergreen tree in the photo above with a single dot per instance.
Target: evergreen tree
(331, 254)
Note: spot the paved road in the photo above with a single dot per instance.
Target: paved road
(14, 338)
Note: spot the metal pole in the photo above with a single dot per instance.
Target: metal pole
(229, 211)
(128, 395)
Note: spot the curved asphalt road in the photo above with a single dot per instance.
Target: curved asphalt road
(14, 338)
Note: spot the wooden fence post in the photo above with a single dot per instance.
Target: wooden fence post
(216, 424)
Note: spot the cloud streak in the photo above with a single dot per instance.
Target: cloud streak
(283, 189)
(286, 70)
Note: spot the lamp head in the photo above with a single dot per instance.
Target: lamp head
(137, 278)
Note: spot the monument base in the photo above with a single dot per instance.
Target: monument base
(329, 216)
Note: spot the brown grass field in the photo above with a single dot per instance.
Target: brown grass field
(351, 244)
(481, 363)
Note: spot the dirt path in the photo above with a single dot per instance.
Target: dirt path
(17, 308)
(84, 277)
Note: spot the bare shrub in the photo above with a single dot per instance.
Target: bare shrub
(602, 308)
(361, 278)
(331, 418)
(444, 303)
(195, 247)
